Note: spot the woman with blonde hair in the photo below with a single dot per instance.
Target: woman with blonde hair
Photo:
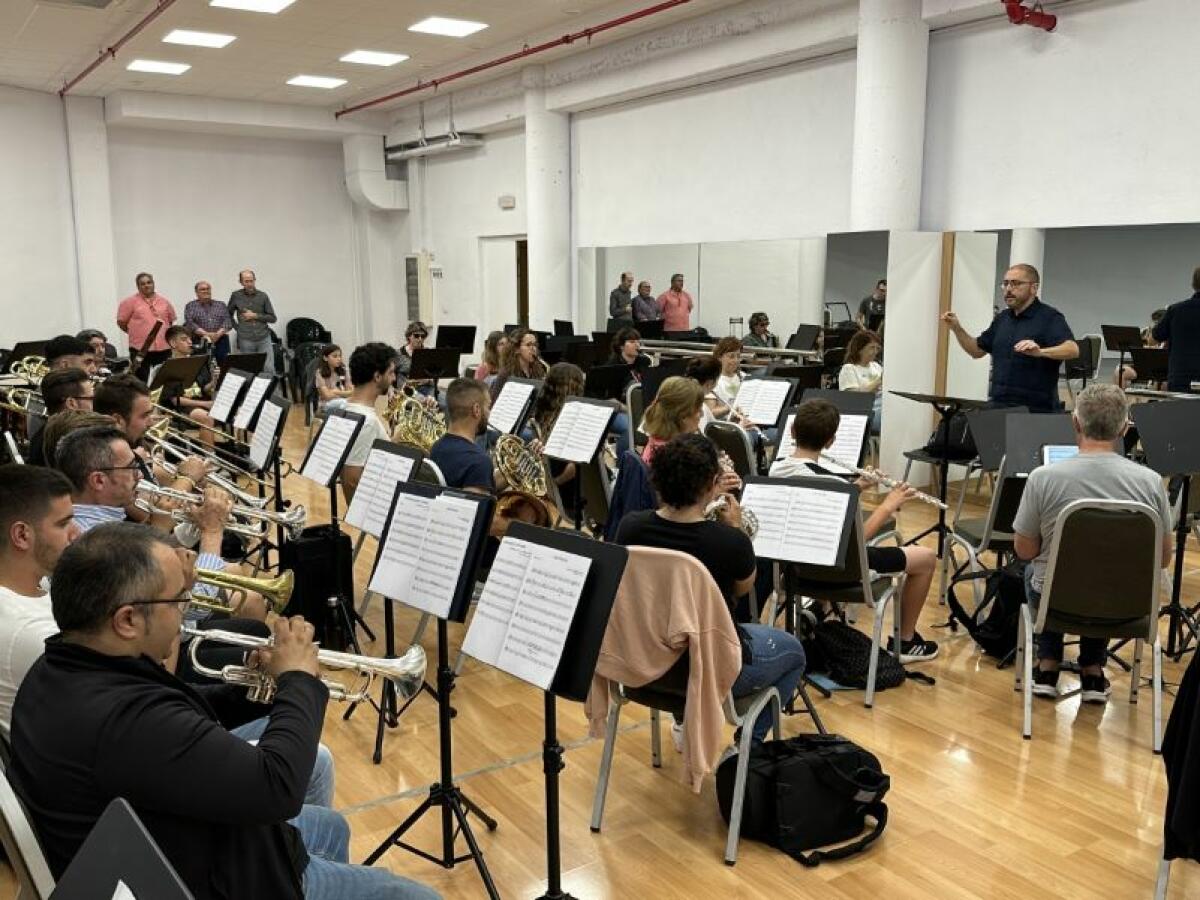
(493, 349)
(675, 410)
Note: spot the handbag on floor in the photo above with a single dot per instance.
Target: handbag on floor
(809, 791)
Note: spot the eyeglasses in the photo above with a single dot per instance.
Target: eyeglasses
(134, 466)
(419, 336)
(181, 601)
(1008, 284)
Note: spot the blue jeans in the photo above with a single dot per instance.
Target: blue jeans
(1092, 651)
(329, 875)
(320, 783)
(620, 430)
(778, 659)
(263, 346)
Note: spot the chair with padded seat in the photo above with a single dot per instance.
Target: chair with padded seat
(732, 440)
(1117, 599)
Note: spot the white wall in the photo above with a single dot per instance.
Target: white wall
(192, 206)
(459, 196)
(1092, 125)
(758, 157)
(743, 277)
(37, 253)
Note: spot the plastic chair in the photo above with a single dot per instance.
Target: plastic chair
(22, 847)
(735, 443)
(994, 532)
(635, 405)
(1119, 599)
(301, 330)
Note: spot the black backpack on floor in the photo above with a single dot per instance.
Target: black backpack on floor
(809, 791)
(994, 623)
(845, 654)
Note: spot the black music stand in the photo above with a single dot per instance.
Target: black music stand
(576, 665)
(606, 382)
(260, 388)
(654, 376)
(229, 393)
(434, 364)
(988, 428)
(1170, 435)
(456, 337)
(22, 349)
(563, 328)
(251, 363)
(183, 371)
(1025, 434)
(771, 422)
(848, 403)
(1121, 339)
(559, 445)
(947, 408)
(806, 377)
(338, 443)
(650, 330)
(445, 794)
(585, 355)
(1149, 362)
(265, 452)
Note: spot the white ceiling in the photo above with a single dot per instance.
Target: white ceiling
(43, 44)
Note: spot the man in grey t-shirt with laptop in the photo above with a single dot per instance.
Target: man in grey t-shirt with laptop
(1097, 473)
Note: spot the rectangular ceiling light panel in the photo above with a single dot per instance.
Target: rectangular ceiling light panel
(316, 81)
(374, 58)
(157, 67)
(447, 27)
(263, 6)
(199, 38)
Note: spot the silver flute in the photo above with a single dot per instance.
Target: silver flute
(881, 479)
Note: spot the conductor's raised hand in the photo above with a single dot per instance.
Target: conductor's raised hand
(950, 318)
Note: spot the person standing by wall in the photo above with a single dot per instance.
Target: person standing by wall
(253, 315)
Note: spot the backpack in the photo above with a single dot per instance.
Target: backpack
(845, 653)
(994, 622)
(808, 791)
(962, 442)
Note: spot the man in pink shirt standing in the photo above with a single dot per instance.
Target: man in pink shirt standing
(676, 306)
(136, 316)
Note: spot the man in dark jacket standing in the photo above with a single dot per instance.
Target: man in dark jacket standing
(1180, 330)
(98, 717)
(253, 315)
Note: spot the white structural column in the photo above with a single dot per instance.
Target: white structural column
(812, 280)
(548, 195)
(889, 116)
(1028, 246)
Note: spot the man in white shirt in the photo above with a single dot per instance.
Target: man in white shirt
(38, 524)
(373, 373)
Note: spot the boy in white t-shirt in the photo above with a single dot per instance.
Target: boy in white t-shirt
(814, 429)
(373, 373)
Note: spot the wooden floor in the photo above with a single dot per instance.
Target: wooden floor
(975, 810)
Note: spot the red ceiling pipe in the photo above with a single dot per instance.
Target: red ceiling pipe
(111, 52)
(586, 33)
(1019, 14)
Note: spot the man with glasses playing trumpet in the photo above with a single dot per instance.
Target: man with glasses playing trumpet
(98, 717)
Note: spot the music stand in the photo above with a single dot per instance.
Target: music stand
(988, 428)
(776, 395)
(264, 451)
(233, 385)
(248, 410)
(558, 343)
(606, 382)
(1150, 363)
(513, 405)
(650, 329)
(251, 363)
(183, 371)
(1026, 433)
(806, 377)
(585, 355)
(576, 662)
(433, 364)
(1121, 339)
(22, 349)
(848, 403)
(119, 852)
(443, 794)
(563, 328)
(846, 318)
(456, 337)
(1170, 435)
(654, 376)
(947, 408)
(577, 435)
(805, 337)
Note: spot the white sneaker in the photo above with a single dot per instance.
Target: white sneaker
(677, 735)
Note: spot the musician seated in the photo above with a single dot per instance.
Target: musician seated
(373, 373)
(36, 525)
(563, 381)
(728, 352)
(705, 371)
(861, 372)
(66, 352)
(489, 363)
(814, 429)
(687, 475)
(61, 389)
(330, 379)
(627, 351)
(97, 717)
(463, 463)
(760, 332)
(520, 359)
(189, 399)
(1101, 415)
(677, 409)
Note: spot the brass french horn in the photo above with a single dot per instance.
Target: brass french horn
(528, 496)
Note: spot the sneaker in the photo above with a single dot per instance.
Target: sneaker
(1045, 683)
(916, 650)
(1095, 689)
(677, 735)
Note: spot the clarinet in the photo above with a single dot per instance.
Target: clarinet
(881, 479)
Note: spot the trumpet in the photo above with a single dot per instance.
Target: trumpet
(406, 673)
(276, 591)
(157, 435)
(881, 479)
(292, 519)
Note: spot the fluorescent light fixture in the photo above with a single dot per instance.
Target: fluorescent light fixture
(199, 38)
(263, 6)
(374, 58)
(159, 68)
(447, 27)
(317, 81)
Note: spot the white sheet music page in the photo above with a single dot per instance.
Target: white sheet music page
(761, 399)
(506, 411)
(786, 442)
(578, 431)
(440, 559)
(485, 637)
(264, 434)
(796, 524)
(373, 497)
(847, 444)
(223, 402)
(322, 462)
(255, 395)
(401, 546)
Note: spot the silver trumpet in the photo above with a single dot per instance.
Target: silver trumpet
(253, 520)
(406, 673)
(881, 479)
(222, 480)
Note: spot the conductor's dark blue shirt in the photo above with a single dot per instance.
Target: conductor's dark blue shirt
(1017, 379)
(1180, 328)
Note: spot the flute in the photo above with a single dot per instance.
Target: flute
(880, 478)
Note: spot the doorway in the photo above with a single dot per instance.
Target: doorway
(523, 283)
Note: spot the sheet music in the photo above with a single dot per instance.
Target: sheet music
(122, 892)
(526, 609)
(424, 550)
(322, 463)
(787, 443)
(373, 498)
(578, 431)
(847, 444)
(797, 524)
(761, 399)
(223, 404)
(264, 435)
(506, 411)
(255, 395)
